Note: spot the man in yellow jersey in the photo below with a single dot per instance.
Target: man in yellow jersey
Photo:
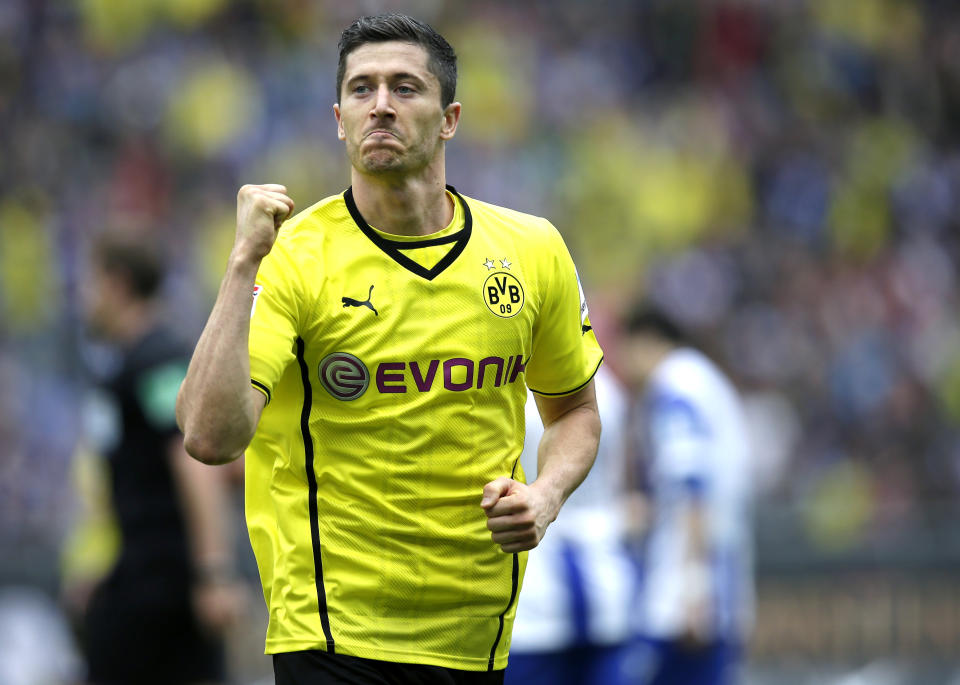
(376, 381)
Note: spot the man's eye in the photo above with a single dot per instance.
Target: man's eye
(405, 90)
(361, 90)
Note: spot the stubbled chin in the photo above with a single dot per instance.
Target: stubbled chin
(381, 160)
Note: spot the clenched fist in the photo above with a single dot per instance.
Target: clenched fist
(261, 209)
(517, 516)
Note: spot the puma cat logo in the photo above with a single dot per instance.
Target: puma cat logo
(350, 302)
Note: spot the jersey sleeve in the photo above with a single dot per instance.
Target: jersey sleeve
(565, 353)
(275, 317)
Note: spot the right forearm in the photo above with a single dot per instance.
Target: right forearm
(215, 408)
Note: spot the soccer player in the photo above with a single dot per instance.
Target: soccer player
(573, 617)
(697, 598)
(376, 381)
(160, 614)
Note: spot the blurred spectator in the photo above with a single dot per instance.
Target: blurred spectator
(160, 614)
(573, 616)
(696, 602)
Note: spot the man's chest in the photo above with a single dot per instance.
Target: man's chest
(470, 326)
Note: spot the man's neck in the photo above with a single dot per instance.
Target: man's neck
(405, 206)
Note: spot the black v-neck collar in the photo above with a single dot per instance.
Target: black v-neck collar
(393, 248)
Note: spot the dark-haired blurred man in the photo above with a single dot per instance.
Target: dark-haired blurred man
(372, 358)
(696, 601)
(160, 614)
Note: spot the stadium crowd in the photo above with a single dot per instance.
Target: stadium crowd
(783, 176)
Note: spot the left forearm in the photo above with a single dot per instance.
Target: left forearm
(566, 452)
(518, 514)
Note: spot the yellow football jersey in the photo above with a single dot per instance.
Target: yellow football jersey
(396, 372)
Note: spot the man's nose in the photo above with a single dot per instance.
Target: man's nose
(383, 105)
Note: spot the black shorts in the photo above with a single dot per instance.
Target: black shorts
(316, 667)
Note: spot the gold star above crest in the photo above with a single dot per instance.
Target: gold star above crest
(489, 264)
(505, 263)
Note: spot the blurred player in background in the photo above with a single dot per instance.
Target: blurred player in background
(696, 602)
(376, 380)
(160, 614)
(573, 617)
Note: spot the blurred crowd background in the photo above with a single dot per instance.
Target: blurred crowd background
(783, 175)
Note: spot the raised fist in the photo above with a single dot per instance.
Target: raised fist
(261, 209)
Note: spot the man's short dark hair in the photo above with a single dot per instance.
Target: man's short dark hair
(138, 261)
(648, 319)
(441, 59)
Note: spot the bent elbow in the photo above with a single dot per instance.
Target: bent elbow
(206, 451)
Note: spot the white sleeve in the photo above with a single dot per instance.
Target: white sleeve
(680, 438)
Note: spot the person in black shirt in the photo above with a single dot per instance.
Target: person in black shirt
(160, 614)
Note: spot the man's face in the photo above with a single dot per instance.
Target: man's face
(389, 113)
(639, 354)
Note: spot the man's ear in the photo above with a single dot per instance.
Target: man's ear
(341, 134)
(451, 118)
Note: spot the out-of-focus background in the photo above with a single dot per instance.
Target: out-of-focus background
(783, 175)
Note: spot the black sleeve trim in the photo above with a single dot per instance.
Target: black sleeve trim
(265, 389)
(569, 392)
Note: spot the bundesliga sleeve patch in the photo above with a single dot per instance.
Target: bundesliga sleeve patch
(585, 325)
(257, 289)
(584, 311)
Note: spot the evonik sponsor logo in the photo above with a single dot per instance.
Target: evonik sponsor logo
(455, 375)
(346, 378)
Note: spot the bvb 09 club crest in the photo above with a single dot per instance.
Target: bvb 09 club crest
(503, 294)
